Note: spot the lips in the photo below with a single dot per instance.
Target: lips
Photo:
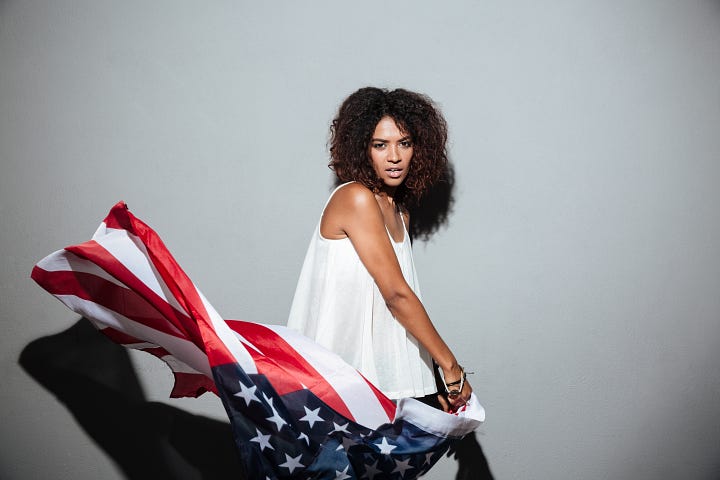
(394, 172)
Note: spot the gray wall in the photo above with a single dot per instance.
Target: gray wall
(579, 277)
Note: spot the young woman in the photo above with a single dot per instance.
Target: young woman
(358, 293)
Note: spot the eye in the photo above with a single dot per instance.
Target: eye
(378, 145)
(406, 143)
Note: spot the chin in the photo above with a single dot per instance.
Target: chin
(394, 183)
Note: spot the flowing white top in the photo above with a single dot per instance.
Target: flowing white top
(338, 304)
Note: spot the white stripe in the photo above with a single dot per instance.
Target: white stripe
(347, 382)
(438, 422)
(178, 365)
(62, 261)
(178, 347)
(246, 343)
(129, 250)
(228, 337)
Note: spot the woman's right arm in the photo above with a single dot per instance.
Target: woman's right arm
(354, 212)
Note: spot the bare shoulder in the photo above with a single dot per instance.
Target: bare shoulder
(352, 207)
(352, 197)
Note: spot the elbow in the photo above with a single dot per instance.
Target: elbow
(396, 299)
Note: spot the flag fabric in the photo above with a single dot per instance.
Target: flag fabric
(297, 410)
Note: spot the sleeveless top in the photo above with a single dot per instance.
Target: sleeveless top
(338, 304)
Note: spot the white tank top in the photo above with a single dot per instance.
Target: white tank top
(338, 304)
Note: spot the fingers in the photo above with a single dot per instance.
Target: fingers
(443, 403)
(461, 399)
(457, 388)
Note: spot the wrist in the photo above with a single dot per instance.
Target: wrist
(450, 368)
(454, 388)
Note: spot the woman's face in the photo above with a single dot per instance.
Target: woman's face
(390, 152)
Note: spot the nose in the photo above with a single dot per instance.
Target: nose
(393, 154)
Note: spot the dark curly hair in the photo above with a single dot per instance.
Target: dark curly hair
(415, 114)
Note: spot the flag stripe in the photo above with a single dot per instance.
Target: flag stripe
(277, 350)
(179, 347)
(363, 401)
(119, 299)
(129, 249)
(176, 324)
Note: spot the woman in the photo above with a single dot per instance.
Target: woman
(358, 294)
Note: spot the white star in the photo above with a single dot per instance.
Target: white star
(302, 436)
(275, 418)
(263, 440)
(342, 475)
(247, 394)
(340, 428)
(402, 466)
(372, 470)
(311, 416)
(385, 447)
(428, 458)
(292, 463)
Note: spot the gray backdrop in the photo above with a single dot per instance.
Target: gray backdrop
(580, 274)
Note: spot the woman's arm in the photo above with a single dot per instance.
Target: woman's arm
(354, 212)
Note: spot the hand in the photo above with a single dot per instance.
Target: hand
(454, 399)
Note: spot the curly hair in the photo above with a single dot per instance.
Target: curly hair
(415, 114)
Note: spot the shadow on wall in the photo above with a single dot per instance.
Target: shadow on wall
(434, 209)
(94, 378)
(472, 464)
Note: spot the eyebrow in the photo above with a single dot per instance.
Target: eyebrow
(406, 137)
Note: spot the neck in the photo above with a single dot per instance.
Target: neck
(388, 199)
(388, 195)
(388, 191)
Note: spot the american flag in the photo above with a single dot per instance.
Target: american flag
(296, 409)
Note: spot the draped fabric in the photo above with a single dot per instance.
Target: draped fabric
(296, 409)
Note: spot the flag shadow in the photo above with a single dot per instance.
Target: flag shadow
(96, 382)
(472, 464)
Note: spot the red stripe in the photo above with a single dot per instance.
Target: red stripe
(97, 254)
(283, 381)
(281, 359)
(159, 352)
(186, 384)
(110, 295)
(191, 385)
(177, 281)
(117, 217)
